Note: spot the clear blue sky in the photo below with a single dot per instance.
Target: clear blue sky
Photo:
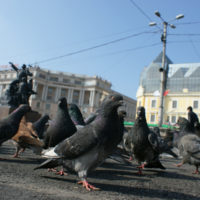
(35, 30)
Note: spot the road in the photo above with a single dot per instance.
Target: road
(117, 181)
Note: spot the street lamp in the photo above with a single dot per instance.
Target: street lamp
(163, 69)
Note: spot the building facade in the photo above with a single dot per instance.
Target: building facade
(182, 90)
(85, 91)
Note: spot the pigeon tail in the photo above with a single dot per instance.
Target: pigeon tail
(50, 163)
(50, 153)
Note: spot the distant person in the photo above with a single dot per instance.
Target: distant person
(192, 118)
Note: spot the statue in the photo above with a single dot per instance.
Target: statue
(20, 90)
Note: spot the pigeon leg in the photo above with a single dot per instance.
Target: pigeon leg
(140, 168)
(52, 170)
(61, 172)
(16, 155)
(88, 186)
(130, 158)
(196, 171)
(179, 164)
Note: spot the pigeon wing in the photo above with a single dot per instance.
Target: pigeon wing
(79, 143)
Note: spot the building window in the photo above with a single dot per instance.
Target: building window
(78, 82)
(66, 80)
(173, 119)
(174, 104)
(153, 103)
(48, 106)
(195, 104)
(152, 118)
(167, 119)
(42, 76)
(86, 100)
(139, 104)
(64, 92)
(53, 79)
(76, 96)
(38, 105)
(50, 93)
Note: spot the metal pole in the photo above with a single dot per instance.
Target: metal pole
(163, 75)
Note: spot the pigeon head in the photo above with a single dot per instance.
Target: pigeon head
(62, 102)
(25, 107)
(141, 112)
(73, 108)
(111, 104)
(122, 113)
(184, 124)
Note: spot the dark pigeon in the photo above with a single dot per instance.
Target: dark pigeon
(61, 127)
(189, 147)
(145, 144)
(40, 125)
(9, 125)
(188, 144)
(76, 115)
(91, 145)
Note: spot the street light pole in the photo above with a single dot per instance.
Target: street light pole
(163, 68)
(163, 75)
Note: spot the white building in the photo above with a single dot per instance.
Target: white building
(86, 91)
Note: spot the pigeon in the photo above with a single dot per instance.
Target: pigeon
(93, 116)
(189, 147)
(61, 127)
(90, 145)
(40, 125)
(76, 115)
(9, 125)
(26, 137)
(188, 144)
(145, 144)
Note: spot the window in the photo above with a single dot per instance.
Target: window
(173, 119)
(86, 100)
(38, 105)
(78, 82)
(64, 92)
(66, 80)
(174, 104)
(76, 96)
(139, 104)
(50, 93)
(152, 118)
(153, 103)
(195, 104)
(42, 76)
(54, 79)
(48, 106)
(167, 119)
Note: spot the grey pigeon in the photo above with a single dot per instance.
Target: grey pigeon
(189, 147)
(91, 145)
(61, 127)
(76, 115)
(40, 125)
(188, 144)
(145, 144)
(9, 125)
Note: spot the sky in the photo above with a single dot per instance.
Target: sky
(108, 38)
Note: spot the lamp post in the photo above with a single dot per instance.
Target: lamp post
(163, 69)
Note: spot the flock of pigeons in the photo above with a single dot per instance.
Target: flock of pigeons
(81, 145)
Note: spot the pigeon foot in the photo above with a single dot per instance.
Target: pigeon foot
(179, 164)
(61, 173)
(87, 186)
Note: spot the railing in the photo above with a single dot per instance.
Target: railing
(150, 125)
